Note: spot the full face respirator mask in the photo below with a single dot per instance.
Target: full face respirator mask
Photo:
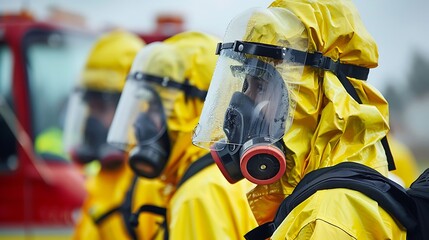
(148, 160)
(251, 100)
(95, 147)
(248, 141)
(255, 157)
(142, 112)
(249, 150)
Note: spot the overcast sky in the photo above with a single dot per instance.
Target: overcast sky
(399, 27)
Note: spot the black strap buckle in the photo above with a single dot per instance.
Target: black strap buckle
(325, 63)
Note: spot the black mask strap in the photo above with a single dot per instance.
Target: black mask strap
(342, 71)
(188, 89)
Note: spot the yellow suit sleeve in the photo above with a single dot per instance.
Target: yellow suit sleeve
(207, 207)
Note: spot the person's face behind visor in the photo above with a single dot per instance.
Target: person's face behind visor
(264, 87)
(257, 89)
(102, 109)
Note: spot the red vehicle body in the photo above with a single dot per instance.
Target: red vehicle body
(41, 191)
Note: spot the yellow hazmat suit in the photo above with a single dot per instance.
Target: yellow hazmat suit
(206, 206)
(330, 127)
(107, 67)
(263, 75)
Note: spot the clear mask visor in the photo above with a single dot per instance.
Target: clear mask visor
(141, 116)
(248, 98)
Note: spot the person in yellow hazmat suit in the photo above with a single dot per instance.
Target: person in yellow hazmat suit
(158, 110)
(91, 108)
(288, 98)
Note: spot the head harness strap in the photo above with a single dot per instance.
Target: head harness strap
(167, 82)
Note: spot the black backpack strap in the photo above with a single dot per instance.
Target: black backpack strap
(419, 191)
(147, 208)
(193, 169)
(124, 208)
(389, 195)
(105, 215)
(134, 218)
(196, 167)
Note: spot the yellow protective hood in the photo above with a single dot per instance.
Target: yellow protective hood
(162, 60)
(197, 50)
(329, 126)
(110, 60)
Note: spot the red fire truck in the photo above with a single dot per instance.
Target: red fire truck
(41, 191)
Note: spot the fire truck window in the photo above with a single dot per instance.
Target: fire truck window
(54, 63)
(7, 139)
